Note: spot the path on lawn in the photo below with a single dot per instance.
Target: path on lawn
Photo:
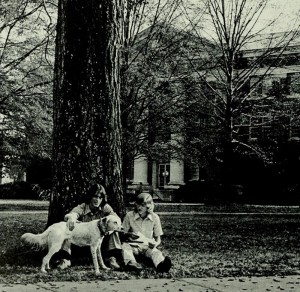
(257, 284)
(179, 212)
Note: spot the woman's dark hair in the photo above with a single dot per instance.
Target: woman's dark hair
(96, 190)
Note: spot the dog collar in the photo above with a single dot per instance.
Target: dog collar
(101, 227)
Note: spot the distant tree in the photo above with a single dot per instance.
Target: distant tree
(26, 60)
(144, 25)
(228, 81)
(151, 94)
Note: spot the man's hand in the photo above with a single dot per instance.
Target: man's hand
(133, 236)
(128, 236)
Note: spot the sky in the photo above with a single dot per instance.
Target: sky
(286, 13)
(286, 10)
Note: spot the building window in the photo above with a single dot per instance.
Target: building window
(260, 127)
(163, 134)
(272, 85)
(256, 86)
(293, 81)
(294, 128)
(253, 128)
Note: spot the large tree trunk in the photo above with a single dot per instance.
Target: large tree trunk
(87, 128)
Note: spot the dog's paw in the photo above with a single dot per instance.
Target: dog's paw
(44, 271)
(97, 273)
(106, 268)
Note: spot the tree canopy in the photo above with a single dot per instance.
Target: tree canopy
(27, 30)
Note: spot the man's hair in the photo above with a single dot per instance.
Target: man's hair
(141, 199)
(96, 189)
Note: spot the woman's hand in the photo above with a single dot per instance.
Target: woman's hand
(71, 223)
(152, 245)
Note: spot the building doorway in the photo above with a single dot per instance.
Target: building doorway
(163, 174)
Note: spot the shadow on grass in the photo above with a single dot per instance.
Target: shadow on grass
(25, 255)
(22, 256)
(199, 246)
(22, 265)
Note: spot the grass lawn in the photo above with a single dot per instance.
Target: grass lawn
(199, 245)
(35, 205)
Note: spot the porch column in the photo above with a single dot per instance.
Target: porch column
(154, 174)
(176, 165)
(140, 171)
(176, 174)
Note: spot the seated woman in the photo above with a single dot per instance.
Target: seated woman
(95, 207)
(144, 223)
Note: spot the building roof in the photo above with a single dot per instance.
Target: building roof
(272, 40)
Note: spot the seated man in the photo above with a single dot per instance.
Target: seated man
(95, 207)
(144, 223)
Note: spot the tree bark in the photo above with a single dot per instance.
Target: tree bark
(87, 127)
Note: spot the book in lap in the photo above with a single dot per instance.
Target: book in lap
(141, 240)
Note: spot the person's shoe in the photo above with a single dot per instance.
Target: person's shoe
(133, 266)
(64, 264)
(112, 263)
(164, 266)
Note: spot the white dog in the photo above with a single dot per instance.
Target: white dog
(84, 234)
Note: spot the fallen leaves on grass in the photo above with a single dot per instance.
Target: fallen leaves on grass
(199, 246)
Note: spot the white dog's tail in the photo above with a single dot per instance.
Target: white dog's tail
(37, 240)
